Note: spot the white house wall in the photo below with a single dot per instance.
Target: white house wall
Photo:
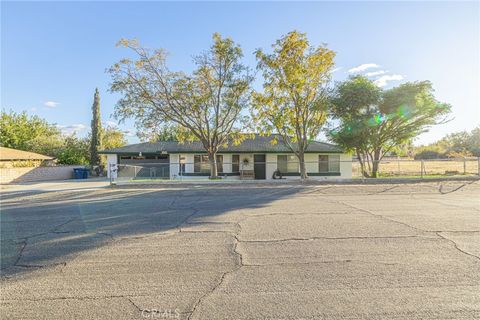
(311, 160)
(345, 166)
(174, 165)
(111, 160)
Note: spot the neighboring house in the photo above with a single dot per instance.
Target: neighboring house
(17, 166)
(10, 158)
(255, 158)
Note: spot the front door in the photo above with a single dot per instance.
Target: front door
(259, 166)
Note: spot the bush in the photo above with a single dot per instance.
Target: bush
(429, 154)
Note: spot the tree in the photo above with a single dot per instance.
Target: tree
(294, 98)
(95, 139)
(47, 145)
(112, 138)
(374, 121)
(474, 142)
(16, 129)
(207, 103)
(75, 151)
(160, 133)
(453, 145)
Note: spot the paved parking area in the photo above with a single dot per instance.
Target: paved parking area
(242, 252)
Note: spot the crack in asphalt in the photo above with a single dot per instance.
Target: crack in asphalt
(382, 217)
(418, 229)
(456, 246)
(26, 239)
(318, 262)
(236, 250)
(331, 238)
(440, 189)
(384, 190)
(218, 284)
(224, 275)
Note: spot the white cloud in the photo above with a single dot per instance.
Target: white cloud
(336, 69)
(33, 109)
(51, 104)
(363, 67)
(375, 73)
(383, 80)
(73, 128)
(111, 124)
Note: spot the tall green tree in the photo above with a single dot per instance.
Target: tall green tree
(95, 139)
(373, 122)
(294, 100)
(207, 103)
(16, 129)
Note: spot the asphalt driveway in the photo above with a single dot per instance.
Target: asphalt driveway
(242, 252)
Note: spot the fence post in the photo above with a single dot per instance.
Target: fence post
(422, 168)
(478, 166)
(464, 166)
(398, 164)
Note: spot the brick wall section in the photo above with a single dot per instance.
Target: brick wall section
(8, 175)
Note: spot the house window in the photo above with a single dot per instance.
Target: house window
(328, 163)
(322, 163)
(150, 157)
(235, 163)
(125, 157)
(287, 163)
(334, 163)
(182, 164)
(282, 163)
(201, 164)
(219, 163)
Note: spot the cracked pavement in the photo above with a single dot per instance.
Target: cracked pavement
(409, 251)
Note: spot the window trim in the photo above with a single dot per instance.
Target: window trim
(329, 163)
(203, 166)
(289, 162)
(236, 163)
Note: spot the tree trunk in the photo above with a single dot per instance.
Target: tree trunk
(362, 158)
(376, 163)
(212, 157)
(303, 169)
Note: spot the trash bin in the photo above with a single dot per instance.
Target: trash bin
(80, 173)
(77, 173)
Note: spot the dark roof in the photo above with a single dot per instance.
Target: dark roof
(260, 144)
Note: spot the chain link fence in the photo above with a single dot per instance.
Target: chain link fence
(407, 168)
(388, 168)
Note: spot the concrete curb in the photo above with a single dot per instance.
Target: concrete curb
(290, 182)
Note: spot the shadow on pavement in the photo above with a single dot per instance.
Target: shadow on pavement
(45, 229)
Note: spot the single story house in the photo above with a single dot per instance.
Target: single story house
(10, 158)
(254, 158)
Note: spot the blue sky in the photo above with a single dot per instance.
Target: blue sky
(54, 54)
